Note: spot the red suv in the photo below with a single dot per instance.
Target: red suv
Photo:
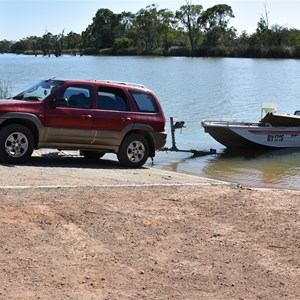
(95, 117)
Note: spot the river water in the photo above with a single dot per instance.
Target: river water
(190, 90)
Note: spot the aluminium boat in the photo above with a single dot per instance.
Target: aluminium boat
(273, 131)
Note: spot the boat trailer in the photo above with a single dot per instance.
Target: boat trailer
(174, 148)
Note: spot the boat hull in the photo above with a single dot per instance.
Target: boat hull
(234, 134)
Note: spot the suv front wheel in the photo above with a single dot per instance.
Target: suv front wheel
(134, 151)
(16, 143)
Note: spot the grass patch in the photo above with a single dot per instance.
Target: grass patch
(5, 89)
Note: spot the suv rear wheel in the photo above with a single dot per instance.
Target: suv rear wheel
(16, 143)
(134, 151)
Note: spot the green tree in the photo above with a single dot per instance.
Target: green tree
(126, 23)
(293, 38)
(5, 46)
(35, 44)
(103, 30)
(278, 35)
(47, 43)
(188, 16)
(20, 46)
(145, 26)
(215, 22)
(260, 38)
(166, 28)
(72, 41)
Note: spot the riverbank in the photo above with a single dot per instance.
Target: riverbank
(73, 230)
(267, 52)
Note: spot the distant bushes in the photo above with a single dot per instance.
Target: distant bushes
(271, 52)
(218, 51)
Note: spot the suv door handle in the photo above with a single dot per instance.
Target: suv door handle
(86, 117)
(126, 119)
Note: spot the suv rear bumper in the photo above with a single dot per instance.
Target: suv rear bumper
(160, 139)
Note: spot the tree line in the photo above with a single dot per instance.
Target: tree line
(189, 31)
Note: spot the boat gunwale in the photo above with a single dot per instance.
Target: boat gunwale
(242, 124)
(232, 123)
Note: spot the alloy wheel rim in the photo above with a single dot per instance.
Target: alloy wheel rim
(136, 151)
(16, 144)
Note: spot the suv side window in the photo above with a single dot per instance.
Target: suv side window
(77, 96)
(111, 99)
(144, 101)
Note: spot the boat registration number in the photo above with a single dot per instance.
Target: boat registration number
(275, 137)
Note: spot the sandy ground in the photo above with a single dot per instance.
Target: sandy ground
(72, 229)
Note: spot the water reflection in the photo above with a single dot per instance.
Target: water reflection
(175, 165)
(263, 168)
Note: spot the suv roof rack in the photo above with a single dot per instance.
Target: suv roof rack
(124, 83)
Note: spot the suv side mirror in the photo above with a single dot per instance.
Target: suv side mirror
(59, 102)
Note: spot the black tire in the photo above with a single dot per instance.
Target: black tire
(91, 155)
(16, 143)
(134, 151)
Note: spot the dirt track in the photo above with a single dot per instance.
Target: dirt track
(73, 230)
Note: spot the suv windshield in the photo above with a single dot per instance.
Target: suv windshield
(39, 91)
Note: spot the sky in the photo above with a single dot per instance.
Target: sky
(23, 18)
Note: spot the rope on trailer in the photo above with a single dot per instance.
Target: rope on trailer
(189, 121)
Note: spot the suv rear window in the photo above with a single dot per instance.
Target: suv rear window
(144, 101)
